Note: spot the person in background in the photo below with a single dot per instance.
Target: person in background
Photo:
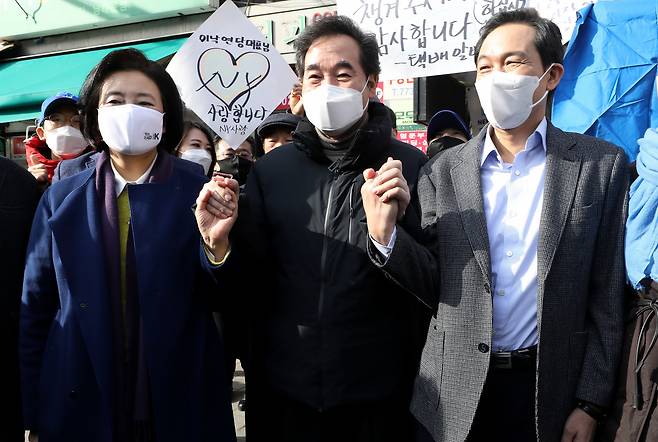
(446, 129)
(18, 199)
(276, 130)
(196, 146)
(635, 414)
(237, 162)
(394, 122)
(58, 137)
(117, 341)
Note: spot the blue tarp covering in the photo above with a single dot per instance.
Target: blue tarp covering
(609, 86)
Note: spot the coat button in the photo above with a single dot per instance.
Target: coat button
(484, 348)
(73, 394)
(83, 305)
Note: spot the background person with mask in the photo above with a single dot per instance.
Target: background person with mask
(446, 129)
(196, 146)
(58, 136)
(236, 163)
(117, 341)
(521, 260)
(334, 344)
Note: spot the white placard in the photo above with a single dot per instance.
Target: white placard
(230, 75)
(420, 38)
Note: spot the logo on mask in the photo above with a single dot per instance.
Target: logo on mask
(151, 136)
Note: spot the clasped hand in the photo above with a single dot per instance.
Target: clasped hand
(385, 196)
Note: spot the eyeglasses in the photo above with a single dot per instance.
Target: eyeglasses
(242, 154)
(58, 120)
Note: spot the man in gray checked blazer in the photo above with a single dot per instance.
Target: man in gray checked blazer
(520, 258)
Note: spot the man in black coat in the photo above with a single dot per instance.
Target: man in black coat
(335, 344)
(18, 199)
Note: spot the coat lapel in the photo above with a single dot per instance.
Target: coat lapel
(468, 190)
(561, 180)
(77, 234)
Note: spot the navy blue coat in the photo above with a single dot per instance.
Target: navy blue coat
(66, 326)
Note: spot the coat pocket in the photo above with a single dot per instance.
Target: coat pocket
(583, 213)
(430, 371)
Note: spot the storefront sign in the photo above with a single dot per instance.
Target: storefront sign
(398, 94)
(417, 138)
(17, 147)
(21, 19)
(282, 29)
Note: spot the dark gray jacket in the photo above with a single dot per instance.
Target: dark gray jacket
(580, 276)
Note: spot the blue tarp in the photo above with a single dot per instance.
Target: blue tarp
(609, 86)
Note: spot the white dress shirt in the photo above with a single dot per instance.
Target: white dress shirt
(513, 196)
(120, 182)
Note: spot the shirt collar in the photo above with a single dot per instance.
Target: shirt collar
(120, 182)
(538, 137)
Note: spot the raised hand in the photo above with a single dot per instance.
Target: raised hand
(216, 212)
(296, 105)
(390, 184)
(385, 196)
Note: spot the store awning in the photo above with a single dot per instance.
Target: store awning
(26, 83)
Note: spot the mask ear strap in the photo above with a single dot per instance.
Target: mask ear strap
(540, 79)
(365, 85)
(546, 72)
(364, 88)
(541, 99)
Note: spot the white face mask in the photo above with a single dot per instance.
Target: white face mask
(332, 108)
(130, 129)
(66, 142)
(199, 156)
(506, 98)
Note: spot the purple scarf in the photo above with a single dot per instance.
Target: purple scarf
(132, 420)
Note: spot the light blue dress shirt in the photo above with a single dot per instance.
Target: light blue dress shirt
(513, 195)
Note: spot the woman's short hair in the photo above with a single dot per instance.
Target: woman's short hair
(131, 60)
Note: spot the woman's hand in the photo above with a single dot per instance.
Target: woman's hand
(216, 212)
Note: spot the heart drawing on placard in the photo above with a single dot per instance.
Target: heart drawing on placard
(229, 78)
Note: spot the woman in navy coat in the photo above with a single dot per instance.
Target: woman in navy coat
(117, 341)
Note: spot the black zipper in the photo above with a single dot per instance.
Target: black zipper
(323, 268)
(334, 168)
(349, 229)
(323, 258)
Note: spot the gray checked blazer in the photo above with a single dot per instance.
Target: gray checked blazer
(580, 282)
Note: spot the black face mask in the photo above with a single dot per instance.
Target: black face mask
(237, 167)
(442, 143)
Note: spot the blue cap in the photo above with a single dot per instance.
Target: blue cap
(445, 119)
(57, 98)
